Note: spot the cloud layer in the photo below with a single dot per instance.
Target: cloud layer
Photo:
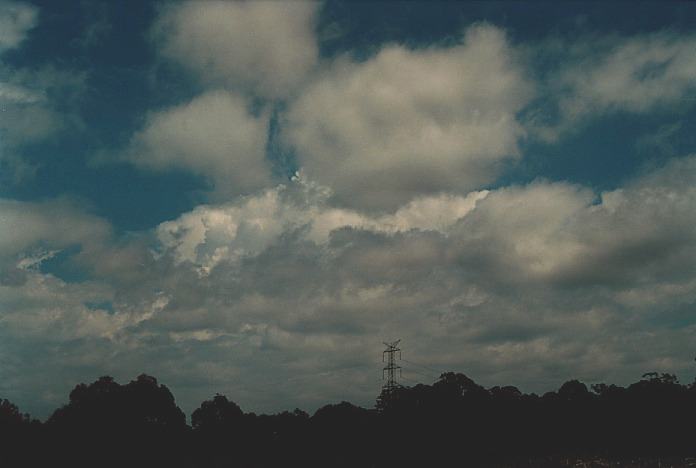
(281, 289)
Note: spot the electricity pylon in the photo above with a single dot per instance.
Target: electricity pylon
(391, 367)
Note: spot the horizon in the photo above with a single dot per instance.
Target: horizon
(385, 390)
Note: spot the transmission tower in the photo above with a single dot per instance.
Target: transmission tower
(391, 367)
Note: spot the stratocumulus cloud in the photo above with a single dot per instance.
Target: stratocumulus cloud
(420, 207)
(508, 279)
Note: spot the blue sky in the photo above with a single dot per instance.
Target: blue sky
(248, 198)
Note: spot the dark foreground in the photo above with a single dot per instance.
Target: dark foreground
(600, 462)
(454, 422)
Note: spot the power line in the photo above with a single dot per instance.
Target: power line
(410, 380)
(437, 371)
(421, 373)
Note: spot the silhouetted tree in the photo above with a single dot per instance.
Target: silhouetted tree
(216, 414)
(18, 433)
(106, 423)
(10, 416)
(454, 421)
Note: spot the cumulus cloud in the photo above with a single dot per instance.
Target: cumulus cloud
(407, 122)
(513, 276)
(213, 233)
(263, 47)
(385, 233)
(568, 236)
(503, 285)
(16, 20)
(214, 135)
(283, 291)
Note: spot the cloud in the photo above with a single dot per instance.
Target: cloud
(565, 235)
(557, 255)
(16, 20)
(41, 305)
(602, 75)
(38, 311)
(283, 291)
(246, 227)
(37, 105)
(266, 48)
(214, 135)
(635, 74)
(281, 295)
(26, 115)
(31, 99)
(519, 279)
(53, 224)
(407, 123)
(661, 141)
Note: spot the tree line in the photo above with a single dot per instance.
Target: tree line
(453, 422)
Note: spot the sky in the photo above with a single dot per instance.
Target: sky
(249, 198)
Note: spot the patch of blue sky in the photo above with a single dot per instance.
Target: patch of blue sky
(360, 27)
(62, 265)
(130, 199)
(101, 305)
(604, 152)
(99, 33)
(283, 159)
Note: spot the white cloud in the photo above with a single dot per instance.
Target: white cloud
(635, 74)
(406, 122)
(518, 279)
(57, 223)
(16, 20)
(385, 234)
(564, 234)
(211, 234)
(283, 291)
(46, 307)
(213, 135)
(524, 277)
(262, 46)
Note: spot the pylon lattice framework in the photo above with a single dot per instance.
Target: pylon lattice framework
(391, 368)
